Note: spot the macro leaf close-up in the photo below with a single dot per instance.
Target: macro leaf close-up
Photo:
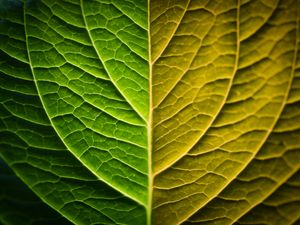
(149, 112)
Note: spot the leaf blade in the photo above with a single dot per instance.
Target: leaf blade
(110, 148)
(200, 175)
(35, 152)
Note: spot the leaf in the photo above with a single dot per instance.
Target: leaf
(110, 145)
(276, 161)
(31, 147)
(282, 207)
(184, 102)
(18, 205)
(192, 184)
(153, 112)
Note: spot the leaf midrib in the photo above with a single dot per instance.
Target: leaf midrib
(150, 125)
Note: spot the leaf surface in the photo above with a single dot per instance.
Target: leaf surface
(31, 146)
(266, 64)
(151, 112)
(97, 114)
(18, 205)
(282, 207)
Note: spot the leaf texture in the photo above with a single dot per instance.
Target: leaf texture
(276, 161)
(282, 207)
(193, 186)
(150, 112)
(18, 205)
(75, 99)
(32, 148)
(184, 103)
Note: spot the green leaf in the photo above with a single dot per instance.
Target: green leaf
(31, 146)
(18, 205)
(152, 112)
(110, 143)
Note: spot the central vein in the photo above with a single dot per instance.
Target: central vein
(150, 176)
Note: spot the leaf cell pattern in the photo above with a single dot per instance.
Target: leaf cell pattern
(150, 112)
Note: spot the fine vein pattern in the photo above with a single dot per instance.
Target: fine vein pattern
(140, 112)
(222, 135)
